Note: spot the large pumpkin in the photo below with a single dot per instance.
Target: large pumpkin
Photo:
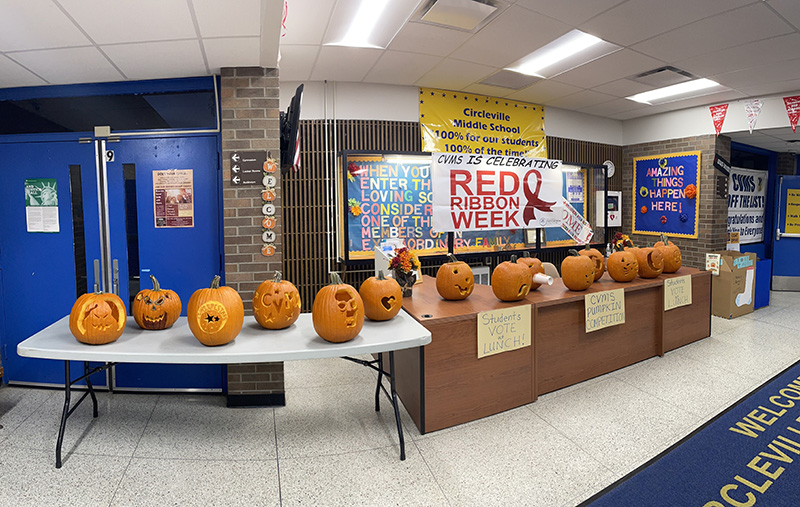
(597, 258)
(97, 318)
(671, 253)
(577, 271)
(623, 266)
(511, 281)
(454, 280)
(276, 303)
(382, 297)
(651, 262)
(156, 308)
(216, 314)
(535, 267)
(338, 311)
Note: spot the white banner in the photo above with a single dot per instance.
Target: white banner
(747, 196)
(486, 192)
(575, 225)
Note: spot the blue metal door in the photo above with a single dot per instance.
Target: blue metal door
(786, 243)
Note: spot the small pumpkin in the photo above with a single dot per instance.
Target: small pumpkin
(511, 281)
(454, 280)
(597, 258)
(216, 314)
(623, 266)
(577, 271)
(671, 253)
(534, 266)
(338, 311)
(97, 318)
(156, 308)
(383, 297)
(276, 303)
(651, 262)
(690, 191)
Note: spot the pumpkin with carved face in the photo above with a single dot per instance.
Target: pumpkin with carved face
(511, 281)
(215, 315)
(338, 311)
(534, 266)
(577, 271)
(623, 266)
(157, 308)
(276, 303)
(671, 253)
(597, 258)
(651, 262)
(383, 297)
(97, 318)
(454, 280)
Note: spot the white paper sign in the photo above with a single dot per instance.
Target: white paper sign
(747, 197)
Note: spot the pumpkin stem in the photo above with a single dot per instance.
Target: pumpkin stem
(380, 275)
(573, 252)
(526, 253)
(336, 279)
(156, 287)
(215, 282)
(587, 246)
(277, 277)
(513, 258)
(451, 258)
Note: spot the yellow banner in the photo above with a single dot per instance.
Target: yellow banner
(792, 222)
(504, 330)
(456, 122)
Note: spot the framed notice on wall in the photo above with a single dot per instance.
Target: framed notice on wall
(173, 198)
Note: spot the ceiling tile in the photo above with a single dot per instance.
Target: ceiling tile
(732, 28)
(304, 29)
(232, 52)
(609, 68)
(218, 19)
(397, 67)
(510, 36)
(611, 107)
(580, 100)
(491, 91)
(632, 22)
(175, 59)
(338, 63)
(774, 72)
(132, 21)
(622, 88)
(296, 62)
(451, 74)
(790, 87)
(754, 54)
(428, 39)
(573, 12)
(788, 9)
(13, 74)
(36, 24)
(544, 91)
(69, 65)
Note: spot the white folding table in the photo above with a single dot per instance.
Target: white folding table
(254, 344)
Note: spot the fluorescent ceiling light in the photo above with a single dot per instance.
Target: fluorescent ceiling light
(571, 50)
(363, 24)
(570, 169)
(673, 91)
(367, 23)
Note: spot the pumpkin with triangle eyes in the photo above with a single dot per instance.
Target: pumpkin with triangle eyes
(623, 266)
(338, 311)
(454, 280)
(215, 315)
(97, 318)
(157, 308)
(383, 297)
(276, 303)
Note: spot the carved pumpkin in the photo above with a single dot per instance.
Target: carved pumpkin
(671, 253)
(534, 266)
(383, 297)
(623, 266)
(454, 280)
(216, 314)
(276, 303)
(651, 262)
(97, 318)
(511, 281)
(597, 258)
(157, 308)
(577, 271)
(338, 311)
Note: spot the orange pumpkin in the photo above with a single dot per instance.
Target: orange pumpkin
(577, 271)
(534, 266)
(651, 262)
(383, 297)
(97, 318)
(691, 191)
(215, 315)
(338, 311)
(276, 303)
(511, 281)
(454, 280)
(157, 308)
(623, 266)
(672, 254)
(597, 258)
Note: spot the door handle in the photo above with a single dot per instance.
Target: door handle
(97, 275)
(115, 279)
(780, 235)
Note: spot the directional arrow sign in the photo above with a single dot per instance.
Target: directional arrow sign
(236, 180)
(235, 168)
(235, 157)
(247, 167)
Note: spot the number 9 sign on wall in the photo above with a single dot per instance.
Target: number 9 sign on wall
(665, 194)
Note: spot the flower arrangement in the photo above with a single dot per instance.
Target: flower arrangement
(405, 264)
(621, 241)
(355, 207)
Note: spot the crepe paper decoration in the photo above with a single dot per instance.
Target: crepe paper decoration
(718, 116)
(753, 110)
(792, 109)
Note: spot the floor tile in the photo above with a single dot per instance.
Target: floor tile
(202, 427)
(745, 356)
(160, 482)
(788, 317)
(721, 325)
(327, 372)
(762, 334)
(372, 477)
(17, 404)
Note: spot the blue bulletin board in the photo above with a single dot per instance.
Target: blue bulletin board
(665, 194)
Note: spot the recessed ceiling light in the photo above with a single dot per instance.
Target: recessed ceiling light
(674, 91)
(571, 50)
(367, 23)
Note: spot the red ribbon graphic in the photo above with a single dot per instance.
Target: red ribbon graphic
(534, 202)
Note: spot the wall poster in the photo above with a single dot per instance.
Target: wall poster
(41, 205)
(747, 200)
(173, 199)
(665, 194)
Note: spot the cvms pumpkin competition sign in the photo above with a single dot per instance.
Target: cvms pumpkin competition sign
(747, 198)
(665, 196)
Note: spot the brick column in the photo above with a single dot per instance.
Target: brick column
(250, 122)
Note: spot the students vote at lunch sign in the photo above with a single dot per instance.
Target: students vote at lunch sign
(485, 192)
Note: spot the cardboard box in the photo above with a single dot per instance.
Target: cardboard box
(733, 291)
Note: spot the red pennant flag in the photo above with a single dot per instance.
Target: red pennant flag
(792, 109)
(718, 116)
